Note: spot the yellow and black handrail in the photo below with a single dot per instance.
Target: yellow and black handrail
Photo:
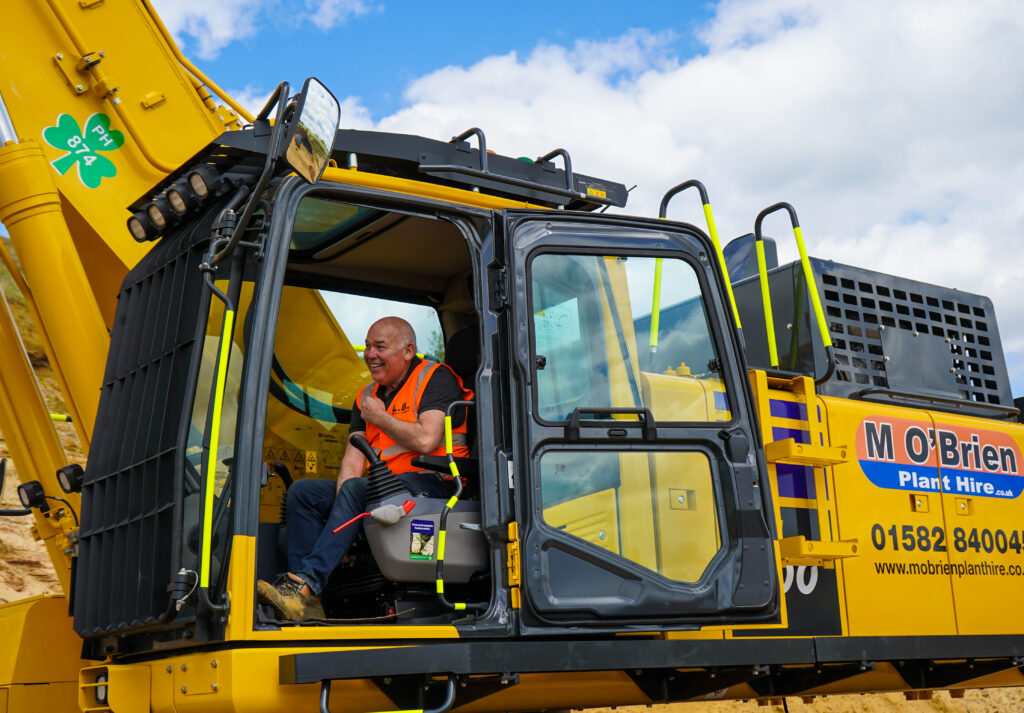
(443, 520)
(712, 233)
(812, 290)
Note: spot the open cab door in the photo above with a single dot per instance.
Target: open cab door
(640, 479)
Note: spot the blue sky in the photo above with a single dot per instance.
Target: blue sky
(893, 127)
(376, 52)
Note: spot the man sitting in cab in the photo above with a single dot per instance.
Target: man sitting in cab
(401, 413)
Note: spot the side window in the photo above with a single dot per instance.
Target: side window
(628, 332)
(624, 332)
(657, 509)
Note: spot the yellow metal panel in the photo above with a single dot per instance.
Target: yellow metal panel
(51, 698)
(39, 645)
(593, 518)
(30, 209)
(38, 80)
(984, 531)
(685, 514)
(913, 604)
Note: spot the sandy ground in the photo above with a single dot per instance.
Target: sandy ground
(25, 571)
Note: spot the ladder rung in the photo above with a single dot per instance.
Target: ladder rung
(789, 451)
(801, 551)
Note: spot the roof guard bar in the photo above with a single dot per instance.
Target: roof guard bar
(712, 232)
(481, 140)
(812, 289)
(569, 182)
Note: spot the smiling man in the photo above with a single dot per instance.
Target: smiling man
(401, 413)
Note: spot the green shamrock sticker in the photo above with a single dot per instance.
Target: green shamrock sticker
(83, 147)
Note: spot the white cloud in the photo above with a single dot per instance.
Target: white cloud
(210, 25)
(895, 134)
(204, 28)
(326, 14)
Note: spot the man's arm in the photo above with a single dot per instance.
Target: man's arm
(422, 436)
(352, 464)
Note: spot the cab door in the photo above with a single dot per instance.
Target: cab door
(639, 480)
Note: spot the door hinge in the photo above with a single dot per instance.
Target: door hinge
(499, 288)
(514, 565)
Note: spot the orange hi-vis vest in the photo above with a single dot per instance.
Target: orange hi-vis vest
(405, 406)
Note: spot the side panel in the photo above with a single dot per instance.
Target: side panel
(980, 473)
(894, 511)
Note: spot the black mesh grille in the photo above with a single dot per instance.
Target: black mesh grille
(860, 305)
(887, 332)
(128, 547)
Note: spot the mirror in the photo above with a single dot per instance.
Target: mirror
(311, 134)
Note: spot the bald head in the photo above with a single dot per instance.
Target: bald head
(390, 347)
(398, 326)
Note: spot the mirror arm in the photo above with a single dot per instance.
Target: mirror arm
(273, 149)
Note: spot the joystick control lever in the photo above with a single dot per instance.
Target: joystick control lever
(363, 446)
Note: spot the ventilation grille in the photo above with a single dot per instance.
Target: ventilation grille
(129, 528)
(860, 305)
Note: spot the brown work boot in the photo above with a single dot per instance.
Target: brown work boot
(288, 601)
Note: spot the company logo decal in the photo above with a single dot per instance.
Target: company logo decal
(84, 147)
(904, 454)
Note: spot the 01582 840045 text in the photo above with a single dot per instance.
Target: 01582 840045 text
(921, 538)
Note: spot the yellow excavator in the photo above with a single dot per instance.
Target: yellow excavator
(693, 472)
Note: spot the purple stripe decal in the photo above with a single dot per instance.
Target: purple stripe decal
(795, 481)
(788, 409)
(781, 434)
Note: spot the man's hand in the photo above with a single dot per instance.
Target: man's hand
(373, 410)
(352, 464)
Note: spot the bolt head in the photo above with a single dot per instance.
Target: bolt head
(79, 87)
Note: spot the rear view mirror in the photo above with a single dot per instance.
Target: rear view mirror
(311, 134)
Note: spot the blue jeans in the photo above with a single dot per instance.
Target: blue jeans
(314, 511)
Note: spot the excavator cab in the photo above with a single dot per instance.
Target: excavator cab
(616, 478)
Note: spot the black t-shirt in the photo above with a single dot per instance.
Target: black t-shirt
(439, 393)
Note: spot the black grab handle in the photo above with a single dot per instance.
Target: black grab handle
(650, 428)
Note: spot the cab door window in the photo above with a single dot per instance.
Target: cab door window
(593, 349)
(625, 332)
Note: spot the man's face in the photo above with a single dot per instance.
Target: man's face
(386, 356)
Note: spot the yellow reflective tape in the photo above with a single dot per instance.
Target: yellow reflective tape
(713, 232)
(766, 303)
(656, 305)
(211, 463)
(451, 502)
(440, 545)
(459, 606)
(812, 288)
(60, 417)
(454, 469)
(440, 586)
(448, 435)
